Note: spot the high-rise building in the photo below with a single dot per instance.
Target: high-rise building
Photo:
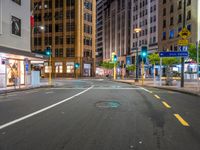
(116, 29)
(68, 28)
(171, 22)
(99, 31)
(15, 47)
(144, 17)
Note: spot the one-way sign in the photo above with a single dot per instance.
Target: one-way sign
(173, 54)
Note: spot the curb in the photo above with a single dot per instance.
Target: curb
(164, 88)
(24, 89)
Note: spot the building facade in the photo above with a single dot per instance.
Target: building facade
(99, 31)
(116, 29)
(68, 28)
(144, 15)
(171, 22)
(15, 47)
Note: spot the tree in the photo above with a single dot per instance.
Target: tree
(154, 59)
(130, 68)
(107, 65)
(193, 52)
(168, 62)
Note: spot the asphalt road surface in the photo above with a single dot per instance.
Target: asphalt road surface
(99, 115)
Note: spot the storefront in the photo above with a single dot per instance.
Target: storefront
(15, 67)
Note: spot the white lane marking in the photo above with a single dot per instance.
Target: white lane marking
(42, 110)
(28, 92)
(68, 88)
(98, 88)
(107, 88)
(146, 90)
(50, 92)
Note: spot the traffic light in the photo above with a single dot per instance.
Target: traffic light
(144, 52)
(115, 59)
(76, 65)
(48, 51)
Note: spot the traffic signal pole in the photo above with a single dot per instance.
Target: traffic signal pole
(50, 70)
(142, 71)
(182, 58)
(114, 73)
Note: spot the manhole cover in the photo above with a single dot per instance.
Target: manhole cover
(107, 104)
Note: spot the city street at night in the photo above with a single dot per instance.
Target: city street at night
(99, 114)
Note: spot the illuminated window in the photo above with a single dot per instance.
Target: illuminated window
(59, 67)
(70, 67)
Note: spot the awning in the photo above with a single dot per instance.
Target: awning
(11, 53)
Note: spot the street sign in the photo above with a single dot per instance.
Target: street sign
(26, 67)
(183, 48)
(185, 33)
(183, 42)
(173, 54)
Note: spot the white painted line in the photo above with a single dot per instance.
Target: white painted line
(146, 90)
(116, 88)
(50, 92)
(98, 88)
(41, 110)
(68, 88)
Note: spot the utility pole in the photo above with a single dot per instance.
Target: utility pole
(182, 58)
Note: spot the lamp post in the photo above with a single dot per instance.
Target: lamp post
(137, 30)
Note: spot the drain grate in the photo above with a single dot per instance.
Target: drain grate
(107, 104)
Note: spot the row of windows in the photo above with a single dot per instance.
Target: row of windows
(179, 19)
(143, 4)
(87, 41)
(88, 5)
(58, 28)
(172, 33)
(88, 17)
(87, 29)
(152, 40)
(179, 3)
(48, 4)
(58, 40)
(70, 14)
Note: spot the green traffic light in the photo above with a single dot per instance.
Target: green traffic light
(144, 54)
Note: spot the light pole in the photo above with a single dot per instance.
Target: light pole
(137, 30)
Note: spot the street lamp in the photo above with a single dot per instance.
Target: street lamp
(137, 30)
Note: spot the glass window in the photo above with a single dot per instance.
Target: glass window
(16, 26)
(59, 67)
(17, 1)
(70, 67)
(171, 34)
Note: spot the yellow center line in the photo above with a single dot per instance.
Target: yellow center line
(166, 104)
(156, 96)
(181, 120)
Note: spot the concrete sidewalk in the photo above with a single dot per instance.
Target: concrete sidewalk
(23, 88)
(189, 87)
